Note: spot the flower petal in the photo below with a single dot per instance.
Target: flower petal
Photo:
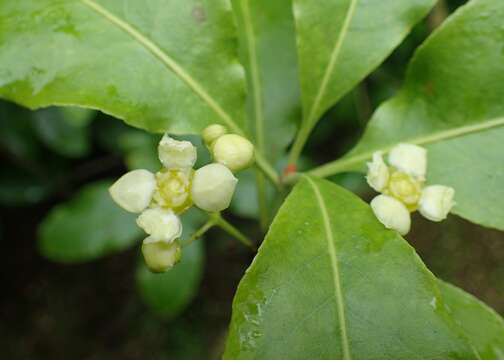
(213, 187)
(392, 213)
(160, 256)
(378, 173)
(436, 202)
(175, 154)
(160, 224)
(410, 159)
(134, 190)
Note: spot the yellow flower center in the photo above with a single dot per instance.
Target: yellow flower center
(173, 189)
(404, 188)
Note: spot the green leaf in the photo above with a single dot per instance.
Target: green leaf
(330, 282)
(64, 131)
(140, 150)
(481, 324)
(89, 226)
(342, 41)
(17, 135)
(161, 65)
(268, 52)
(169, 293)
(452, 104)
(244, 202)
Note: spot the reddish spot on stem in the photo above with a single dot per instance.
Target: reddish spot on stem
(290, 169)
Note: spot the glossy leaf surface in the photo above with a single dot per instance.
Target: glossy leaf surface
(482, 325)
(341, 41)
(452, 104)
(268, 53)
(330, 282)
(159, 65)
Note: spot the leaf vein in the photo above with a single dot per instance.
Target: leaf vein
(167, 61)
(335, 269)
(331, 66)
(346, 163)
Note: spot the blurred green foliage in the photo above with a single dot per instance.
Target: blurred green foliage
(87, 227)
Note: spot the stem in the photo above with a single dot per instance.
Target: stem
(261, 199)
(200, 232)
(438, 15)
(338, 166)
(293, 178)
(231, 230)
(299, 144)
(317, 105)
(255, 83)
(263, 165)
(352, 162)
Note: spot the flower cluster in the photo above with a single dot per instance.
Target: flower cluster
(401, 185)
(160, 198)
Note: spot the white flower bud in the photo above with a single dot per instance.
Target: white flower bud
(133, 191)
(175, 154)
(160, 224)
(436, 202)
(392, 213)
(213, 187)
(378, 173)
(160, 256)
(212, 133)
(410, 159)
(233, 151)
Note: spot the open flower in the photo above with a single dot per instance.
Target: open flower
(402, 188)
(160, 198)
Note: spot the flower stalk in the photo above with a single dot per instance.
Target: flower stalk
(233, 231)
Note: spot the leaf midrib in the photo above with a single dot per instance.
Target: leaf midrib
(167, 61)
(335, 269)
(348, 162)
(331, 66)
